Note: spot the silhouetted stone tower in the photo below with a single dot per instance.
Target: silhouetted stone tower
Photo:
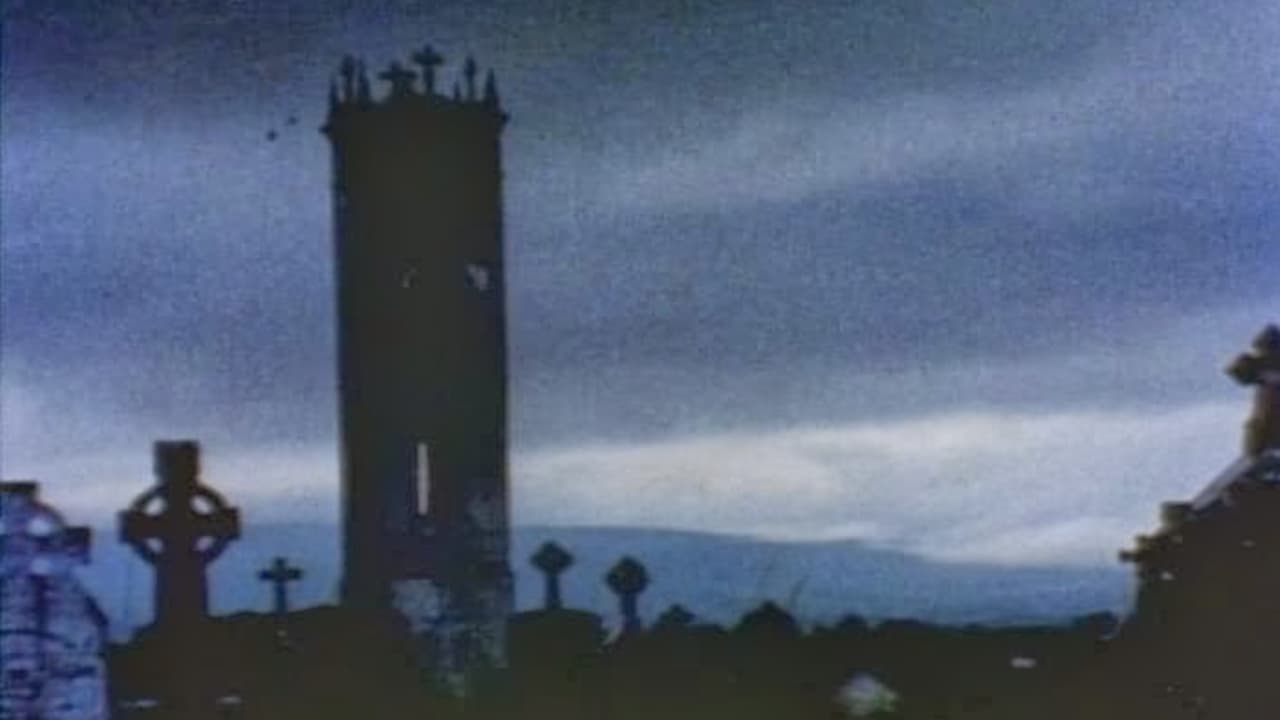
(422, 354)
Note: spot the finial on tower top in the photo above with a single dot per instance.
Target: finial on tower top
(348, 73)
(401, 79)
(362, 84)
(490, 90)
(351, 84)
(469, 74)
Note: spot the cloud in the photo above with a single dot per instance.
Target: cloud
(89, 445)
(1191, 80)
(92, 459)
(1123, 360)
(166, 244)
(1003, 487)
(994, 487)
(1056, 459)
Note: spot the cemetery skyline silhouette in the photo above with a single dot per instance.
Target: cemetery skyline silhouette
(427, 621)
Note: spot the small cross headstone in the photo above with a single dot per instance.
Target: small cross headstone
(627, 580)
(1261, 368)
(280, 573)
(179, 526)
(552, 560)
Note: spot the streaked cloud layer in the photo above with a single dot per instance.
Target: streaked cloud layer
(1048, 144)
(1058, 488)
(1006, 479)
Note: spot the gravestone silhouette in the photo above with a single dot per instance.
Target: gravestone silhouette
(179, 526)
(675, 617)
(552, 560)
(627, 580)
(280, 573)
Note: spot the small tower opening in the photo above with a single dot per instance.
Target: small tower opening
(478, 276)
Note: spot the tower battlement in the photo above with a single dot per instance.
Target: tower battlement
(350, 91)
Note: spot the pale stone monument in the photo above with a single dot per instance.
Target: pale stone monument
(52, 633)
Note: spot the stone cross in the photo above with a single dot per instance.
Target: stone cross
(428, 59)
(179, 526)
(627, 580)
(1261, 367)
(551, 560)
(280, 574)
(401, 79)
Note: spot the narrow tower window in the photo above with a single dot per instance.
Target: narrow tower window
(422, 476)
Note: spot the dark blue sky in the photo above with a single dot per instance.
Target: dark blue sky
(848, 269)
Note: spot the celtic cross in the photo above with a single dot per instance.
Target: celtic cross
(179, 526)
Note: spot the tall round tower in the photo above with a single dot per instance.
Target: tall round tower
(422, 358)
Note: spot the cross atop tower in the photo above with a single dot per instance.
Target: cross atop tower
(428, 59)
(280, 573)
(400, 77)
(179, 526)
(469, 75)
(1261, 367)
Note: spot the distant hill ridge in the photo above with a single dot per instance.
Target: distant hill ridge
(718, 577)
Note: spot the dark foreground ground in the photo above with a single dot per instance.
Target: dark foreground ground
(330, 663)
